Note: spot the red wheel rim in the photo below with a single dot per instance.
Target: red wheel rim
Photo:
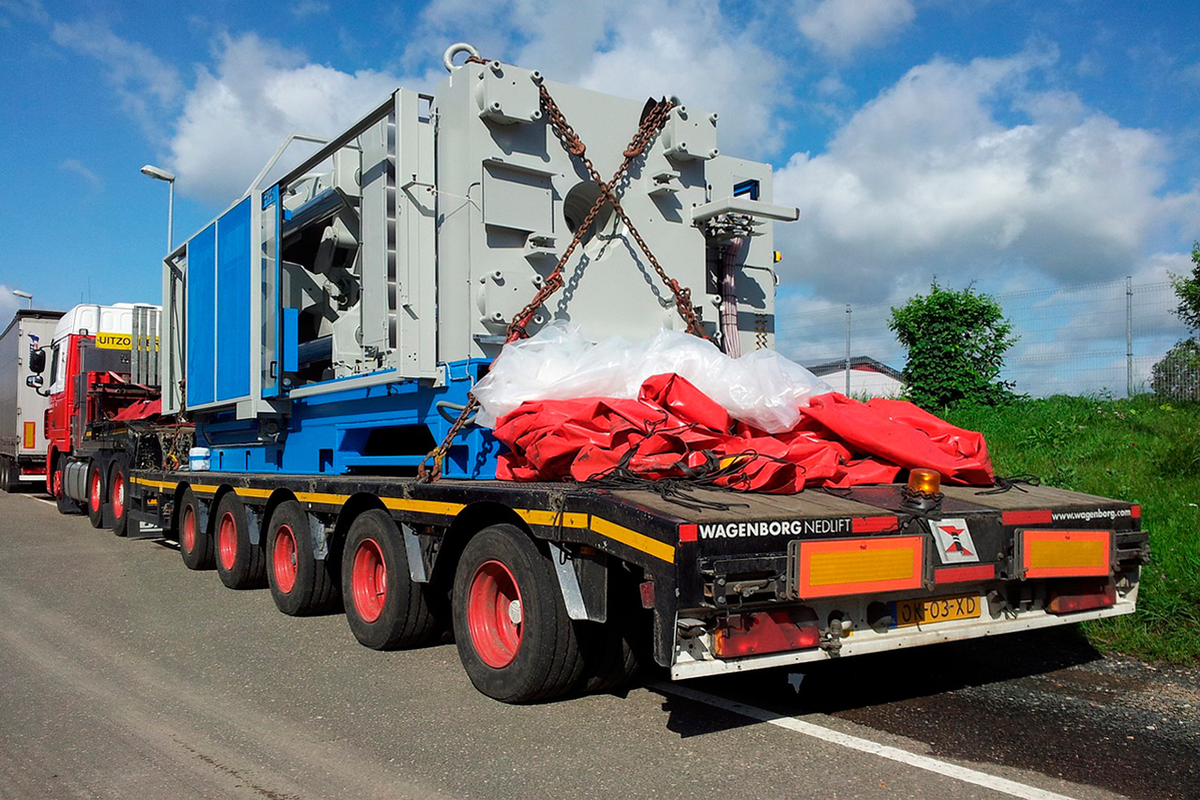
(369, 580)
(284, 561)
(95, 498)
(227, 540)
(495, 615)
(188, 529)
(118, 494)
(57, 481)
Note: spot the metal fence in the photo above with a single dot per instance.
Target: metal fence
(1090, 339)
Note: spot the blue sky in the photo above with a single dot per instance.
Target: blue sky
(1017, 144)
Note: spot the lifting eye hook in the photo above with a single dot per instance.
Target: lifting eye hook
(455, 49)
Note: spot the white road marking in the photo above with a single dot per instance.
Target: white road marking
(42, 500)
(964, 774)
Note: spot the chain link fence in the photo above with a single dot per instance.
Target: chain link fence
(1091, 339)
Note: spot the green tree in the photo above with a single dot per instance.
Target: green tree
(956, 343)
(1187, 287)
(1177, 375)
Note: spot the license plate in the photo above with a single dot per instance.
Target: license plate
(906, 613)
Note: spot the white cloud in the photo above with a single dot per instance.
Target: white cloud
(31, 10)
(77, 167)
(9, 304)
(700, 59)
(235, 117)
(926, 179)
(144, 83)
(839, 27)
(309, 8)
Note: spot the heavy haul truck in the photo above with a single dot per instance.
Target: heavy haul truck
(99, 372)
(323, 335)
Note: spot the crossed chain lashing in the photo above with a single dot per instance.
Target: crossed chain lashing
(654, 117)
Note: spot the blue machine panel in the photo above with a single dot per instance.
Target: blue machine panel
(201, 296)
(233, 303)
(290, 340)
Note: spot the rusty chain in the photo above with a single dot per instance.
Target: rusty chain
(651, 123)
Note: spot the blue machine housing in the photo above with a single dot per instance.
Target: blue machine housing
(385, 429)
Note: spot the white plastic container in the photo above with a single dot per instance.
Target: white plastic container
(199, 459)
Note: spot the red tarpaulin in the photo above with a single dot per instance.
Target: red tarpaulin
(142, 409)
(838, 442)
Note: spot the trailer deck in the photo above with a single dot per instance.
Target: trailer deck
(983, 562)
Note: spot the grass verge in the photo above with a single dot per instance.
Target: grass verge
(1142, 450)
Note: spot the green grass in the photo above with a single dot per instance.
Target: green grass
(1142, 450)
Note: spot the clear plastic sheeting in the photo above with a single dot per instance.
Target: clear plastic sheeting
(762, 388)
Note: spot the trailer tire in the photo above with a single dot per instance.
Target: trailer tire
(95, 506)
(59, 489)
(611, 649)
(7, 468)
(385, 607)
(514, 637)
(6, 480)
(240, 564)
(118, 494)
(300, 583)
(195, 543)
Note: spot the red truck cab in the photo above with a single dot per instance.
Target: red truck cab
(103, 369)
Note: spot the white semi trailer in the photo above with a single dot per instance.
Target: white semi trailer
(22, 408)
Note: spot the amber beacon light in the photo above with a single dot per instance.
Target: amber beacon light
(924, 489)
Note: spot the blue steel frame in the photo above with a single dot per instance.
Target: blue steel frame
(328, 433)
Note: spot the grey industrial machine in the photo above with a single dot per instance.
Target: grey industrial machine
(403, 248)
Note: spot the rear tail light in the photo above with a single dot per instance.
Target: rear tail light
(758, 633)
(1064, 597)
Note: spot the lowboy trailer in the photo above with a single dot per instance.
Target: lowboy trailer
(323, 335)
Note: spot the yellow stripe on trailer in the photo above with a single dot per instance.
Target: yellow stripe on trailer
(423, 506)
(553, 519)
(533, 516)
(631, 538)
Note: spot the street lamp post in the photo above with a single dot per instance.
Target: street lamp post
(25, 295)
(160, 174)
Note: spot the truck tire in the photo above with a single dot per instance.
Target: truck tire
(117, 495)
(513, 634)
(95, 506)
(300, 584)
(195, 542)
(58, 488)
(386, 609)
(240, 564)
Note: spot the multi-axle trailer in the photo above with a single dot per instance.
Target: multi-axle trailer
(553, 587)
(323, 336)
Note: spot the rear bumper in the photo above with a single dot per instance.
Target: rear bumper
(694, 659)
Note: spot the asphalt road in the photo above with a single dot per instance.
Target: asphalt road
(123, 674)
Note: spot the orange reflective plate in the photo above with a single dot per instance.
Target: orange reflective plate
(1065, 554)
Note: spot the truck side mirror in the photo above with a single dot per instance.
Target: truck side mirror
(34, 381)
(37, 363)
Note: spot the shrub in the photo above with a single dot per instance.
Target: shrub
(956, 343)
(1177, 375)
